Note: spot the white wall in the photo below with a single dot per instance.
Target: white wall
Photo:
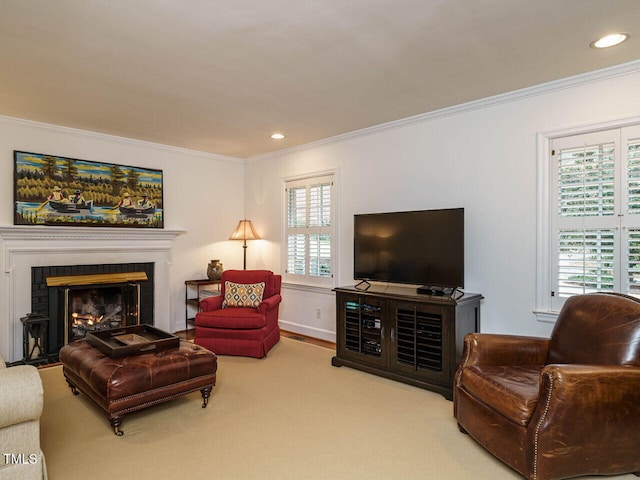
(480, 156)
(203, 194)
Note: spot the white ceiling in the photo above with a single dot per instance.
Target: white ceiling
(221, 75)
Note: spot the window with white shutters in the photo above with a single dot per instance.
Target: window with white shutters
(310, 233)
(632, 237)
(595, 214)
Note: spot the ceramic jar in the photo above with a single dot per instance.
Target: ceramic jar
(214, 270)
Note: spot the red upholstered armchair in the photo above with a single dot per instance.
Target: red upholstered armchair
(558, 407)
(244, 319)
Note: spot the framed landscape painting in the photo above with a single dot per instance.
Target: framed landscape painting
(51, 190)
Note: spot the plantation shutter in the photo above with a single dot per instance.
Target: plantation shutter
(596, 223)
(631, 139)
(296, 221)
(319, 229)
(310, 230)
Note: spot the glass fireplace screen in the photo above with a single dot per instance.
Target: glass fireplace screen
(99, 307)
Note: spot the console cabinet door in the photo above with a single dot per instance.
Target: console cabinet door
(419, 340)
(361, 329)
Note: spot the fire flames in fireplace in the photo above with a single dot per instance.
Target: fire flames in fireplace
(96, 309)
(82, 323)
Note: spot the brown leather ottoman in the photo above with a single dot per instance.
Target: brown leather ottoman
(123, 385)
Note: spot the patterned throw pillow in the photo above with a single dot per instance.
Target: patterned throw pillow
(243, 294)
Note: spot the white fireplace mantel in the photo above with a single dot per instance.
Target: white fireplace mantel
(37, 233)
(23, 247)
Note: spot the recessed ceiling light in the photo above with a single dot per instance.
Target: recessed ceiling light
(277, 136)
(610, 40)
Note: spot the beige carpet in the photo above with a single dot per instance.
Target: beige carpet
(290, 415)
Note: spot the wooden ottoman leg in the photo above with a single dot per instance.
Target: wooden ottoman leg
(115, 423)
(206, 393)
(74, 389)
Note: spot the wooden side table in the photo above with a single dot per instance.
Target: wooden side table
(194, 294)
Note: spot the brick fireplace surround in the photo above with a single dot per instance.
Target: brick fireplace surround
(23, 247)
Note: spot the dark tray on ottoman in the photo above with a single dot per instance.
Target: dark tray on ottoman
(135, 340)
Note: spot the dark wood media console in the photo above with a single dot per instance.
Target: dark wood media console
(394, 332)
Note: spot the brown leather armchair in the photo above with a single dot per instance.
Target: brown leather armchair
(560, 407)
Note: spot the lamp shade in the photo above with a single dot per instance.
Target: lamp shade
(244, 231)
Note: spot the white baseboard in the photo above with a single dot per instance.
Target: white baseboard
(308, 331)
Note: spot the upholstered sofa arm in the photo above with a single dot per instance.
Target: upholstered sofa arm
(490, 349)
(20, 395)
(269, 303)
(211, 303)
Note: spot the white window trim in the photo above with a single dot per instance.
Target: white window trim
(543, 310)
(291, 281)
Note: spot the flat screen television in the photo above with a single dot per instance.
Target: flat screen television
(423, 247)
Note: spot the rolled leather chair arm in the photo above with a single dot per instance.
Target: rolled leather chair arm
(577, 390)
(494, 349)
(21, 397)
(269, 303)
(211, 303)
(586, 411)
